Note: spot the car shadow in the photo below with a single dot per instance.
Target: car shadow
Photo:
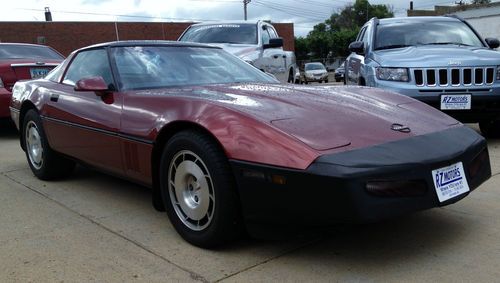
(408, 234)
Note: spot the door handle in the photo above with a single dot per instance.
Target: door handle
(54, 97)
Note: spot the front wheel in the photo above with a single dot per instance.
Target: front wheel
(198, 190)
(490, 129)
(45, 163)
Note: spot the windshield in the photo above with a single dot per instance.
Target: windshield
(414, 33)
(144, 67)
(314, 66)
(12, 51)
(227, 33)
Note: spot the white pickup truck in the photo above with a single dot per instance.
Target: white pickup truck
(256, 43)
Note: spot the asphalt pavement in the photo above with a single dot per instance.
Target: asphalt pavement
(93, 227)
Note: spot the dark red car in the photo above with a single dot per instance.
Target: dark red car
(19, 61)
(224, 146)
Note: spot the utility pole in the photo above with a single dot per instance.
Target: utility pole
(245, 3)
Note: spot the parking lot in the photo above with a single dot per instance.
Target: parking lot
(93, 227)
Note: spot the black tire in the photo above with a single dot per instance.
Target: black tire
(222, 202)
(45, 163)
(290, 77)
(490, 129)
(326, 81)
(306, 82)
(337, 80)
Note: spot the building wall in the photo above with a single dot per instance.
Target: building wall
(485, 18)
(68, 36)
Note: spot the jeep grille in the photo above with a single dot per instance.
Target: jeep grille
(454, 76)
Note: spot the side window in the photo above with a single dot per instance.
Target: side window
(364, 38)
(90, 63)
(361, 34)
(272, 32)
(265, 36)
(55, 74)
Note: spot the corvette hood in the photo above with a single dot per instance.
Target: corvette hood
(332, 117)
(436, 56)
(326, 118)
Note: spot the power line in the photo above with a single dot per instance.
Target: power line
(294, 9)
(306, 13)
(286, 12)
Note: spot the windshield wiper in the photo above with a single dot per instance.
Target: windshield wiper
(447, 43)
(392, 46)
(228, 42)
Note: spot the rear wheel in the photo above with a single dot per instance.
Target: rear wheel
(326, 81)
(198, 190)
(45, 163)
(490, 129)
(290, 77)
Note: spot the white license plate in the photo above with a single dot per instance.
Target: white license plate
(37, 73)
(456, 102)
(450, 181)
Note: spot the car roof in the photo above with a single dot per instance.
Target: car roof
(227, 23)
(22, 44)
(417, 19)
(129, 43)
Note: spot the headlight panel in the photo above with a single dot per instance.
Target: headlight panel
(1, 83)
(393, 74)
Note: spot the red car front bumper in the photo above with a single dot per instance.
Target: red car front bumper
(334, 189)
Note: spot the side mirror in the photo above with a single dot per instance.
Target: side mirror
(95, 84)
(492, 42)
(274, 43)
(357, 47)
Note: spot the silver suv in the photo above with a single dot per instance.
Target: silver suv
(441, 61)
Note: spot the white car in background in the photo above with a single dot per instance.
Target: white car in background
(256, 43)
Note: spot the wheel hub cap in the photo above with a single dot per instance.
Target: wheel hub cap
(34, 145)
(191, 190)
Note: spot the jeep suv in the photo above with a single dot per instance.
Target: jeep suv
(441, 61)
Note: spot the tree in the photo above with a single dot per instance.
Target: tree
(335, 34)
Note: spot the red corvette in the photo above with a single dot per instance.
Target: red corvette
(19, 61)
(224, 146)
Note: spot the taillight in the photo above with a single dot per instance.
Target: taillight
(396, 188)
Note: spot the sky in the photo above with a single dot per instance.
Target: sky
(303, 13)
